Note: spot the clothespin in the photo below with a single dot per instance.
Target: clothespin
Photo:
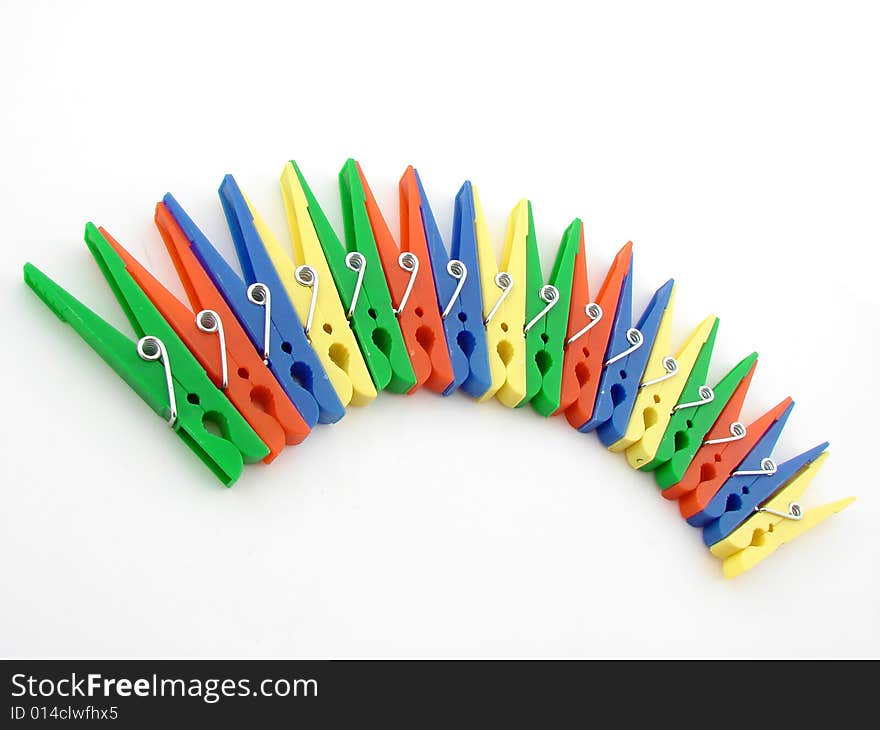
(589, 327)
(623, 342)
(247, 304)
(741, 500)
(279, 314)
(688, 428)
(547, 318)
(504, 303)
(411, 283)
(158, 367)
(753, 481)
(217, 341)
(357, 274)
(629, 372)
(375, 298)
(724, 433)
(661, 366)
(778, 521)
(656, 401)
(718, 458)
(695, 394)
(310, 288)
(459, 296)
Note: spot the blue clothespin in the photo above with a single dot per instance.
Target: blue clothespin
(630, 369)
(746, 499)
(257, 267)
(457, 283)
(742, 503)
(250, 315)
(755, 481)
(753, 462)
(624, 342)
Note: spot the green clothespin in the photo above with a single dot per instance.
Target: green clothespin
(546, 325)
(694, 396)
(380, 310)
(360, 282)
(685, 434)
(159, 367)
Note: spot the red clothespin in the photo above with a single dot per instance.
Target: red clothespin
(216, 339)
(411, 283)
(723, 449)
(726, 431)
(589, 327)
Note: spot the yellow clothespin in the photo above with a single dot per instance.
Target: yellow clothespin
(660, 370)
(504, 304)
(656, 401)
(310, 286)
(780, 520)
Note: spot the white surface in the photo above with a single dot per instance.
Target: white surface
(738, 149)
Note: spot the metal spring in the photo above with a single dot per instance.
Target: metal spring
(670, 365)
(307, 276)
(408, 262)
(503, 281)
(151, 348)
(208, 321)
(635, 339)
(260, 295)
(737, 432)
(457, 270)
(594, 312)
(707, 395)
(768, 469)
(549, 294)
(794, 512)
(355, 261)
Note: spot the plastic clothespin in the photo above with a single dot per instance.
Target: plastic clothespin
(459, 295)
(245, 303)
(656, 402)
(695, 394)
(756, 464)
(752, 477)
(237, 371)
(547, 318)
(778, 521)
(217, 341)
(660, 368)
(411, 283)
(741, 501)
(629, 372)
(723, 444)
(504, 303)
(687, 429)
(357, 274)
(374, 300)
(159, 367)
(261, 274)
(311, 290)
(624, 342)
(718, 459)
(589, 327)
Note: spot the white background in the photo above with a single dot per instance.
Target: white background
(738, 149)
